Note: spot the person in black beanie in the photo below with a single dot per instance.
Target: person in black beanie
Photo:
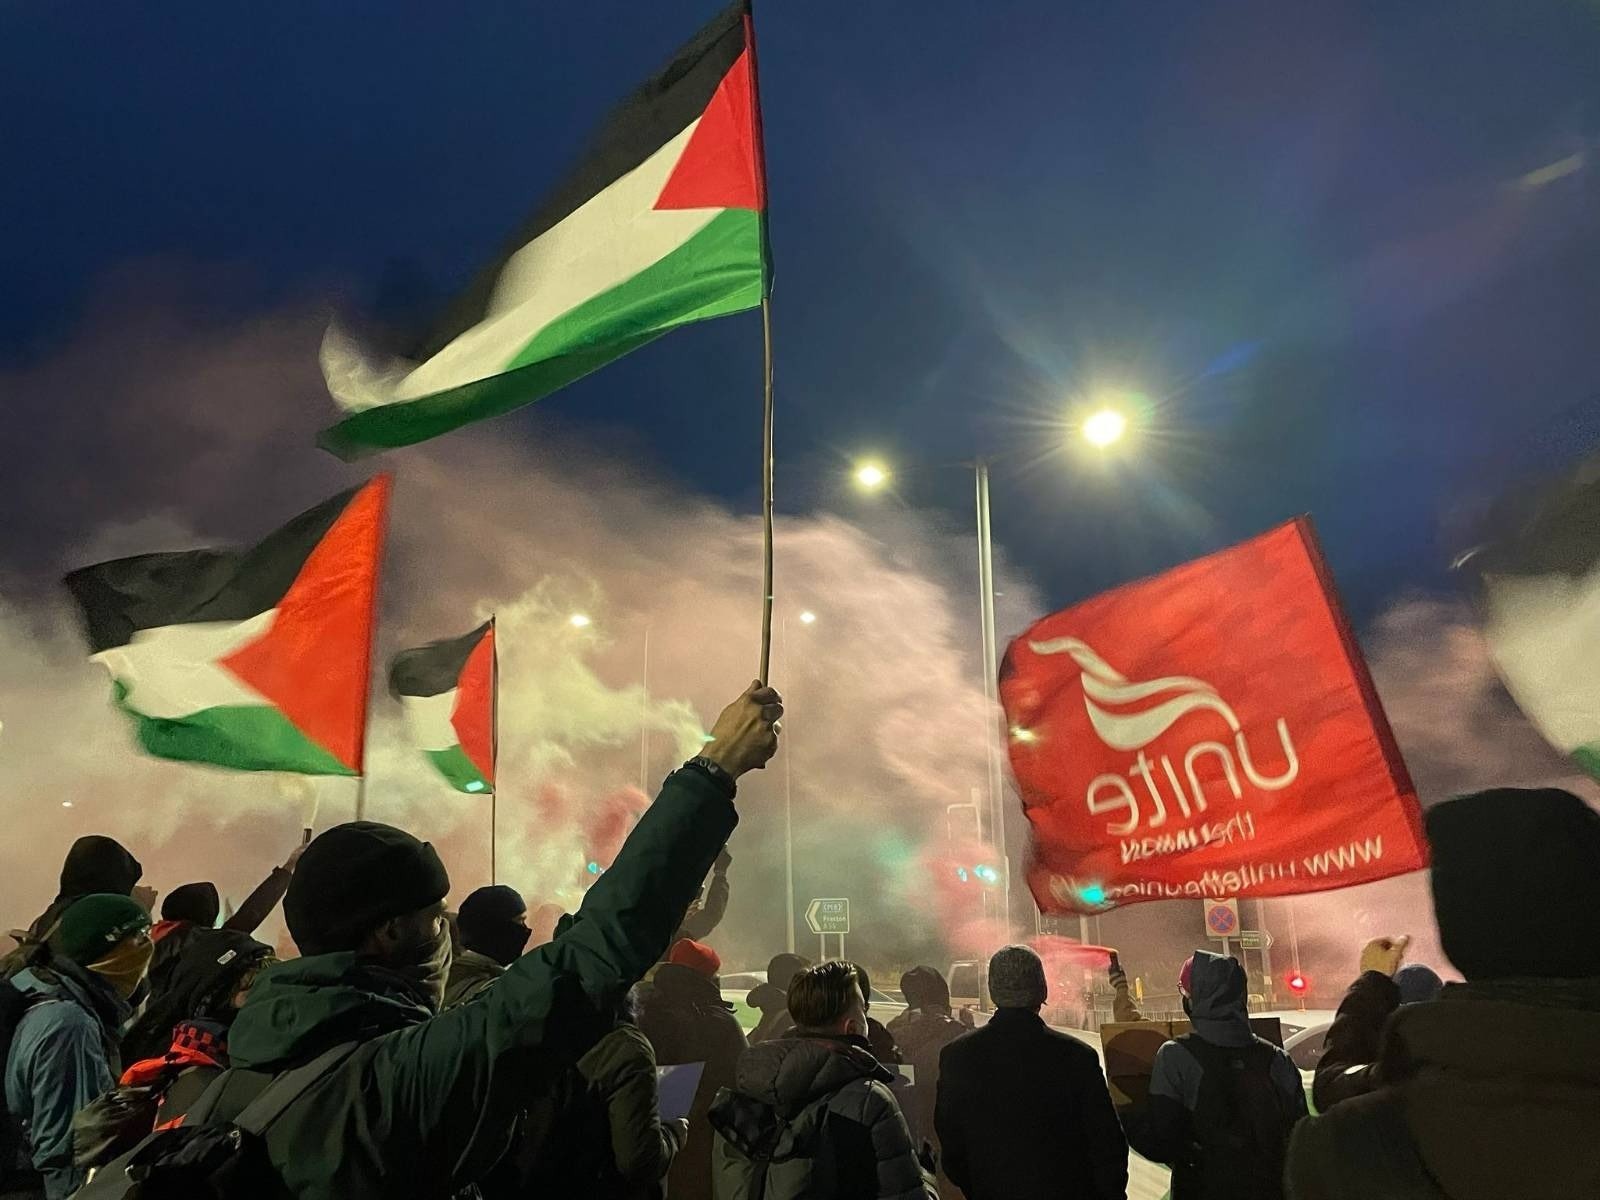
(1491, 1090)
(428, 1101)
(493, 924)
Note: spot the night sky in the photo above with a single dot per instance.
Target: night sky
(1349, 253)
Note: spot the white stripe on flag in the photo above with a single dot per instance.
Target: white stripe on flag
(606, 241)
(1544, 633)
(172, 671)
(429, 720)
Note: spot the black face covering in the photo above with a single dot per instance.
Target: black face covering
(493, 923)
(426, 964)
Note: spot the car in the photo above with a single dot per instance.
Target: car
(737, 986)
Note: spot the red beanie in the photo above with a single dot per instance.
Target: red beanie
(697, 956)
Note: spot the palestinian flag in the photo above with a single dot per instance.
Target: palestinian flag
(449, 690)
(660, 225)
(1537, 580)
(256, 659)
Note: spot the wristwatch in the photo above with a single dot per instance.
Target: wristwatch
(715, 772)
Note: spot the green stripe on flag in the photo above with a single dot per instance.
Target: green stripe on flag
(254, 737)
(720, 270)
(1588, 757)
(457, 768)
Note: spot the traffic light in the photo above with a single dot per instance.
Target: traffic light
(1093, 894)
(1298, 983)
(593, 867)
(962, 874)
(986, 873)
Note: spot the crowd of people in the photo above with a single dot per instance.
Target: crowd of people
(411, 1052)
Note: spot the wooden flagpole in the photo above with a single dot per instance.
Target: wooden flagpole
(766, 489)
(494, 755)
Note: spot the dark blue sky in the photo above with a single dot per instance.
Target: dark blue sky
(1351, 251)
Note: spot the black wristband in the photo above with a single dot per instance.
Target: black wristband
(715, 772)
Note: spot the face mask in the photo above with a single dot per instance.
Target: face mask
(125, 966)
(427, 964)
(505, 942)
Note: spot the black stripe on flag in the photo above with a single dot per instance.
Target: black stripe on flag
(120, 597)
(1553, 530)
(655, 114)
(436, 667)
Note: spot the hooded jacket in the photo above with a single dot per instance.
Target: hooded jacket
(819, 1112)
(63, 1055)
(920, 1034)
(427, 1104)
(198, 982)
(687, 1021)
(94, 865)
(1489, 1093)
(1024, 1114)
(1168, 1132)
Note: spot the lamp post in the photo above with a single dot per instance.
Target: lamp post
(1101, 428)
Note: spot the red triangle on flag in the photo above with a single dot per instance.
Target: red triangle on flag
(314, 663)
(473, 715)
(721, 166)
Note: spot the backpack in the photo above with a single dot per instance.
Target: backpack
(768, 1157)
(207, 1158)
(1241, 1120)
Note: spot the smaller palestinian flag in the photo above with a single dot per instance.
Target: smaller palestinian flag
(258, 659)
(450, 690)
(1537, 581)
(660, 225)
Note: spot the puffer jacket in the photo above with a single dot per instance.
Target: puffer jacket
(63, 1055)
(1488, 1093)
(814, 1116)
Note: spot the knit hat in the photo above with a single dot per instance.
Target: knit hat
(97, 864)
(493, 921)
(1417, 983)
(92, 926)
(353, 878)
(197, 903)
(1544, 921)
(697, 956)
(924, 987)
(1016, 978)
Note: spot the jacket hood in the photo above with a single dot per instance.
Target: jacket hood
(65, 980)
(1493, 1087)
(678, 984)
(298, 1009)
(789, 1073)
(1217, 998)
(98, 864)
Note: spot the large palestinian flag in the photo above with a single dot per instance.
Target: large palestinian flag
(449, 691)
(1537, 579)
(660, 225)
(253, 659)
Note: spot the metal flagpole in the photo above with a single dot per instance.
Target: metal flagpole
(766, 489)
(991, 688)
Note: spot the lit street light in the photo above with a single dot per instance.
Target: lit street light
(871, 476)
(1105, 426)
(808, 618)
(579, 620)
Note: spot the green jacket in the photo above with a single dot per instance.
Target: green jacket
(470, 974)
(426, 1106)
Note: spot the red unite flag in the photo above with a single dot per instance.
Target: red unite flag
(1212, 731)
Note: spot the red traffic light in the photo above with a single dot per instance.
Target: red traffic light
(1298, 983)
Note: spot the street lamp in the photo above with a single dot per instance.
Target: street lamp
(579, 620)
(808, 618)
(1103, 427)
(871, 475)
